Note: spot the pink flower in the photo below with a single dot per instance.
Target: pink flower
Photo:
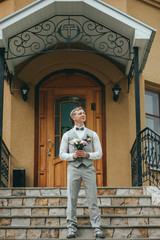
(85, 143)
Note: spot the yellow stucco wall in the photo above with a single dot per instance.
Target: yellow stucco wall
(22, 132)
(150, 15)
(8, 7)
(19, 116)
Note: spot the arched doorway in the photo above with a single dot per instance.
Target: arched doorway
(56, 96)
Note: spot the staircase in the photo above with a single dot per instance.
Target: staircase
(40, 213)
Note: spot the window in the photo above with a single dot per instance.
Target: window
(152, 147)
(152, 109)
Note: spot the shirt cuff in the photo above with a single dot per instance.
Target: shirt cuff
(94, 155)
(90, 155)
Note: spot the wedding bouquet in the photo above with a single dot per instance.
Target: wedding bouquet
(80, 143)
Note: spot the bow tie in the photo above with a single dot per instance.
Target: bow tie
(81, 129)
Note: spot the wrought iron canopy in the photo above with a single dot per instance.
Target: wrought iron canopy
(77, 25)
(69, 32)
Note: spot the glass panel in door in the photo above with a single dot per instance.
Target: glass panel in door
(63, 107)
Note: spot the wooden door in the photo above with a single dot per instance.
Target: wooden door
(57, 97)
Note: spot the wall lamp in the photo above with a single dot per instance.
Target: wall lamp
(24, 90)
(116, 91)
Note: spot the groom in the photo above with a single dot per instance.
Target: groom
(81, 168)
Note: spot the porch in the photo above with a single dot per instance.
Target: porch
(110, 47)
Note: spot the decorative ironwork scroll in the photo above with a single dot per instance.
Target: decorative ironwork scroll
(150, 158)
(71, 32)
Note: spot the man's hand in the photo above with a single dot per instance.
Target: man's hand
(79, 154)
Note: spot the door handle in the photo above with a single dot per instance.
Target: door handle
(50, 148)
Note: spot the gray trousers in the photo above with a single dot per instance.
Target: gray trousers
(74, 177)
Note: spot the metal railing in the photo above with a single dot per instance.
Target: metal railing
(149, 156)
(4, 166)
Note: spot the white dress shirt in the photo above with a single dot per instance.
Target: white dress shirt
(64, 155)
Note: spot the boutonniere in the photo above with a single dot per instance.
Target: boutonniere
(80, 143)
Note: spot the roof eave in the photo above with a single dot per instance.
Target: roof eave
(144, 34)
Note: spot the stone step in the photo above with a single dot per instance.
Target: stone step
(57, 210)
(60, 220)
(84, 232)
(63, 191)
(62, 200)
(40, 213)
(89, 238)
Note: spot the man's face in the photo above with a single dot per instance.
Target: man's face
(80, 116)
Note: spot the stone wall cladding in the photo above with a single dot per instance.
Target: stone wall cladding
(40, 213)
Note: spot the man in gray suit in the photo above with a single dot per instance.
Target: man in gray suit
(81, 168)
